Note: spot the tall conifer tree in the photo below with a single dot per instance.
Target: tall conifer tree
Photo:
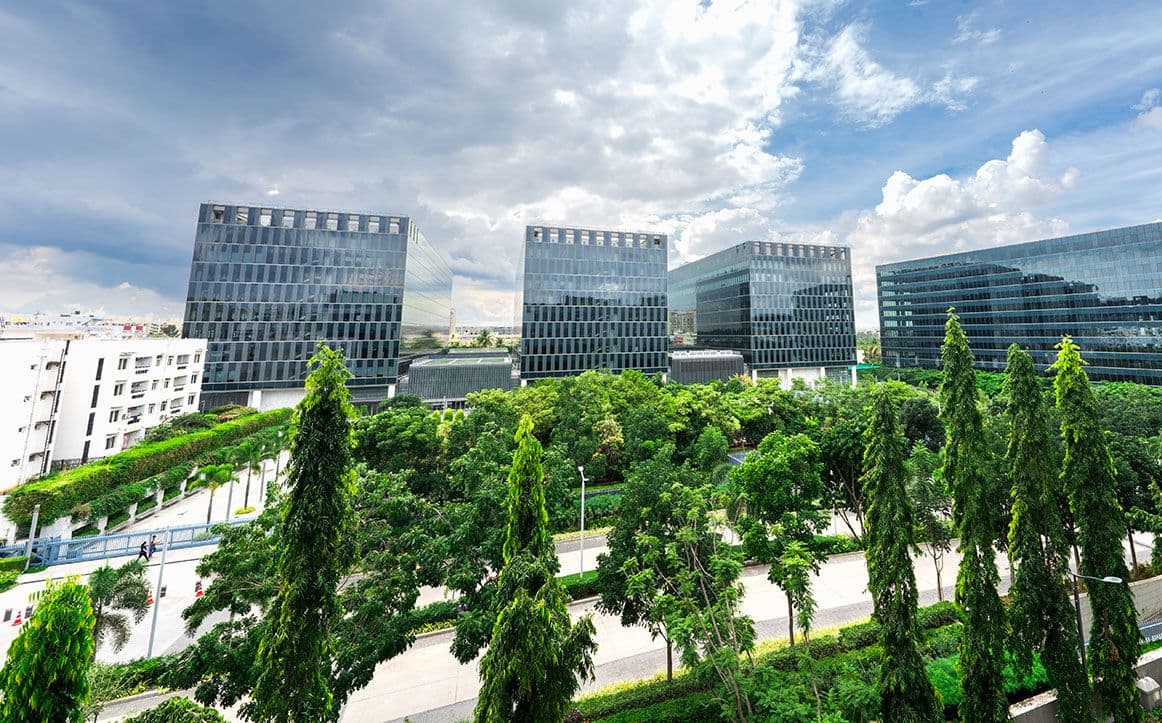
(975, 512)
(906, 695)
(1041, 613)
(529, 673)
(1088, 477)
(295, 658)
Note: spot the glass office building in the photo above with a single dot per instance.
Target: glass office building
(780, 305)
(266, 284)
(591, 299)
(1103, 288)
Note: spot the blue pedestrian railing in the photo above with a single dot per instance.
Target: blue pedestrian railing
(55, 551)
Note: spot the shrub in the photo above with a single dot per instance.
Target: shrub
(117, 520)
(695, 708)
(178, 710)
(859, 635)
(244, 510)
(837, 544)
(231, 411)
(147, 504)
(13, 563)
(8, 579)
(118, 680)
(59, 494)
(170, 493)
(638, 695)
(580, 585)
(942, 642)
(937, 615)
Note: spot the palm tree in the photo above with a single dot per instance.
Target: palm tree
(113, 589)
(483, 339)
(215, 476)
(249, 455)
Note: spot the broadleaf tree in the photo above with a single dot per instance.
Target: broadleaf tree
(1089, 478)
(974, 487)
(779, 497)
(46, 675)
(297, 650)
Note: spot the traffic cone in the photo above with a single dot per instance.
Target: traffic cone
(17, 622)
(150, 600)
(198, 589)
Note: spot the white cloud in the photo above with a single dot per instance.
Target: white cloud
(1149, 100)
(966, 33)
(940, 214)
(864, 89)
(1151, 116)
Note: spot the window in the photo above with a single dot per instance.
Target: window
(89, 429)
(163, 406)
(169, 362)
(96, 393)
(167, 384)
(190, 399)
(218, 214)
(85, 452)
(332, 222)
(197, 357)
(100, 367)
(152, 408)
(154, 384)
(123, 363)
(194, 378)
(288, 219)
(118, 389)
(114, 415)
(264, 217)
(110, 441)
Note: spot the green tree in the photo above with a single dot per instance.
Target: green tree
(1089, 479)
(778, 495)
(296, 652)
(249, 455)
(647, 520)
(214, 476)
(1040, 612)
(46, 675)
(483, 340)
(693, 578)
(974, 493)
(117, 593)
(710, 450)
(905, 691)
(932, 507)
(400, 439)
(529, 673)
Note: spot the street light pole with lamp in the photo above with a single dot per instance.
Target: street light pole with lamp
(581, 469)
(1110, 579)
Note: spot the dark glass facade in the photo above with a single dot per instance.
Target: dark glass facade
(591, 299)
(267, 283)
(1103, 288)
(781, 305)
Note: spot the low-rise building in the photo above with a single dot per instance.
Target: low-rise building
(447, 379)
(704, 365)
(68, 401)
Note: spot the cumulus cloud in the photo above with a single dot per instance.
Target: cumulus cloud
(995, 205)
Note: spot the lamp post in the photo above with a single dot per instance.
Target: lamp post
(1110, 579)
(581, 469)
(160, 582)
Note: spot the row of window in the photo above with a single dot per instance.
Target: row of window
(287, 274)
(289, 293)
(592, 344)
(567, 364)
(303, 219)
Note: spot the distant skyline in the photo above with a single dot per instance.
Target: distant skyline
(901, 129)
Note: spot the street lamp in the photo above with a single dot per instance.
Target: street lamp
(581, 469)
(1110, 579)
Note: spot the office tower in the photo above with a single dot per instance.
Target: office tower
(266, 284)
(591, 299)
(1103, 288)
(786, 307)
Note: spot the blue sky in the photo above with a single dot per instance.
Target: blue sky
(899, 128)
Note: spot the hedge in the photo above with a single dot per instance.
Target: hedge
(13, 563)
(695, 708)
(59, 494)
(118, 680)
(858, 642)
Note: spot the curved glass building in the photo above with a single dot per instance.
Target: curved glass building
(1102, 288)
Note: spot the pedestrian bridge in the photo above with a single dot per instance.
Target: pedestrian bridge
(56, 551)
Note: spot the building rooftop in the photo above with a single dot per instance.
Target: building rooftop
(461, 360)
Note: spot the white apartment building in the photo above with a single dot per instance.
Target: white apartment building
(29, 397)
(115, 390)
(68, 401)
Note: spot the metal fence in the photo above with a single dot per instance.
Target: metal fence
(55, 551)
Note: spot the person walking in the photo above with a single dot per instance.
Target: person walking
(152, 546)
(143, 553)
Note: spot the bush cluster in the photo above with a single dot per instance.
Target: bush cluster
(118, 680)
(59, 494)
(13, 563)
(178, 710)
